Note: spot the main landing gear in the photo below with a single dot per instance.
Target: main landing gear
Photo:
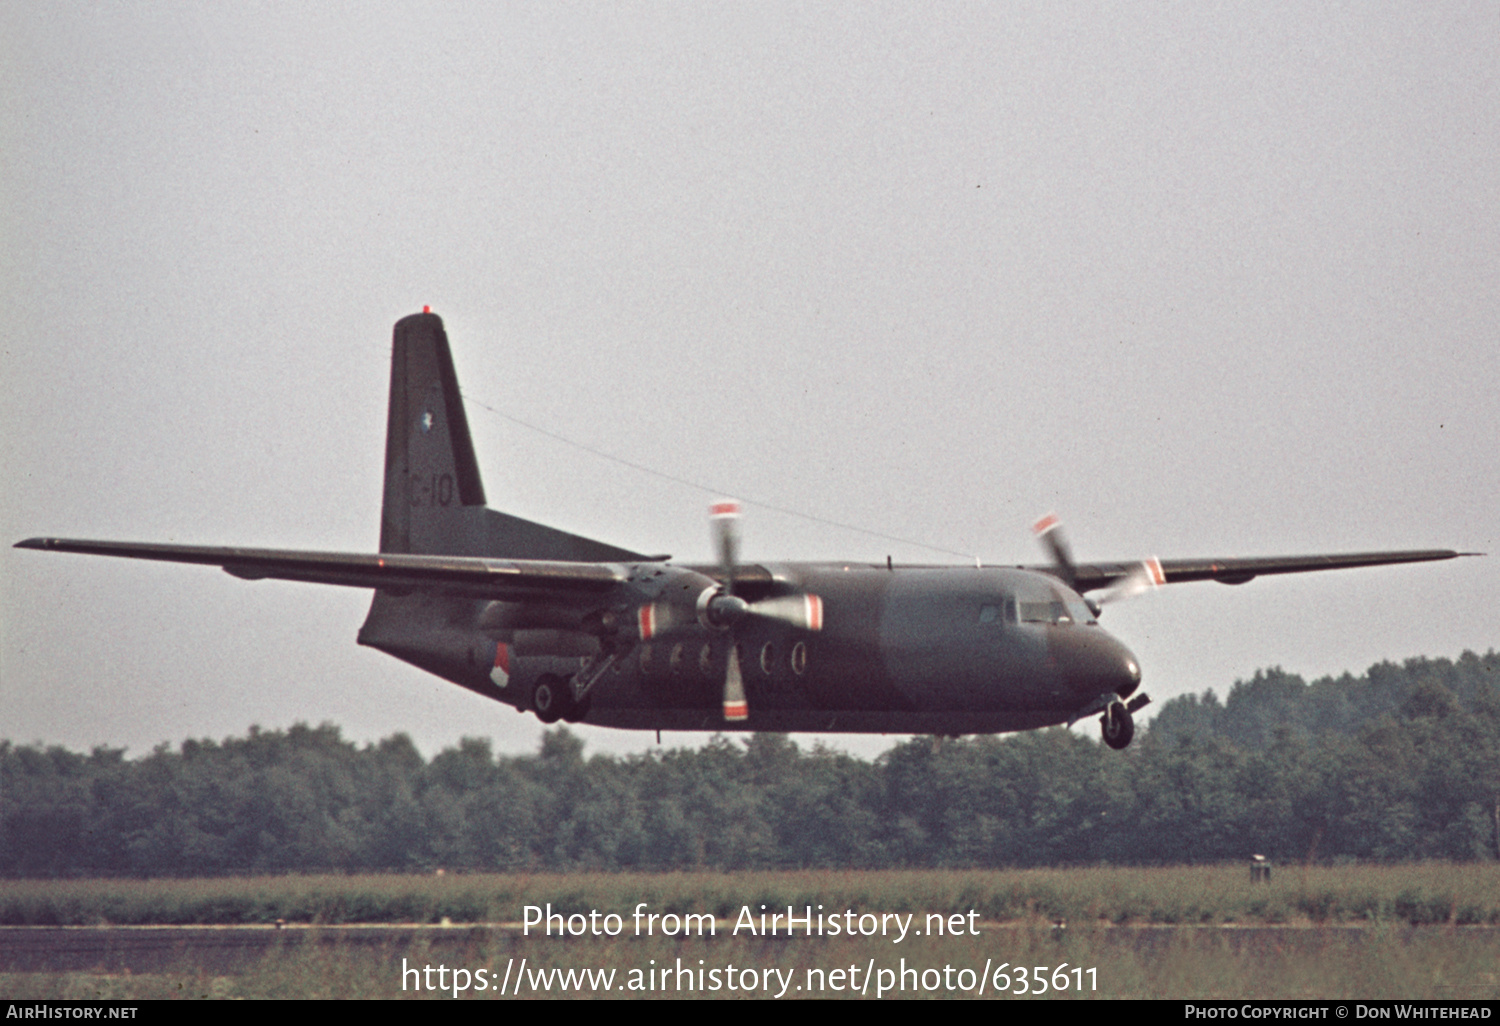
(569, 698)
(552, 698)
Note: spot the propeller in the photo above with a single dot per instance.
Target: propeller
(718, 608)
(1144, 577)
(722, 609)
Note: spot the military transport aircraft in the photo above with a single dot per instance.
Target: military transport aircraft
(584, 631)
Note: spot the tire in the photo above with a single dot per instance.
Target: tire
(549, 698)
(1117, 726)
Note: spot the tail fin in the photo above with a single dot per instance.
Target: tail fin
(434, 499)
(430, 469)
(434, 505)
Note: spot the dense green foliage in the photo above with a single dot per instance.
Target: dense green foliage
(1402, 763)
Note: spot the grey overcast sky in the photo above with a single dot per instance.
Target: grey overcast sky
(1205, 279)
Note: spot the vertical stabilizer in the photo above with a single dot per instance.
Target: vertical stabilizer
(430, 470)
(434, 505)
(434, 501)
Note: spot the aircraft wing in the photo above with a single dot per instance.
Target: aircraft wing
(503, 579)
(1089, 576)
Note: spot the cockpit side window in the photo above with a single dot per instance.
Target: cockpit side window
(1079, 610)
(998, 612)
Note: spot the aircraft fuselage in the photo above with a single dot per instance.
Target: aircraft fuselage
(903, 650)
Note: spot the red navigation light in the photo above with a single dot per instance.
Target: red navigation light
(427, 309)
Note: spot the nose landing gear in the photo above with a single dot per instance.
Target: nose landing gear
(1117, 725)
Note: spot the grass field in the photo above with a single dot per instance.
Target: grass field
(1171, 962)
(1418, 894)
(1420, 931)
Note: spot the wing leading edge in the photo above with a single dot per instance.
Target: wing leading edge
(501, 579)
(1090, 576)
(522, 579)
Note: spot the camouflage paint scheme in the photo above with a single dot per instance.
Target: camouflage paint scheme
(578, 629)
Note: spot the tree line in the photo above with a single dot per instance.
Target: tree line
(1400, 763)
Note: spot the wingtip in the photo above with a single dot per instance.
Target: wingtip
(34, 543)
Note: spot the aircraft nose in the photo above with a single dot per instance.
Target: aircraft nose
(1095, 663)
(1130, 672)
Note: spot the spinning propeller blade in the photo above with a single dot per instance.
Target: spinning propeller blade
(1049, 532)
(1147, 576)
(725, 517)
(736, 708)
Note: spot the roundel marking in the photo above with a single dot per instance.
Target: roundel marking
(500, 672)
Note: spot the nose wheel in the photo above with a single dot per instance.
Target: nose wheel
(1117, 726)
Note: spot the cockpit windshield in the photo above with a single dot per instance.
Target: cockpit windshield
(1049, 605)
(1036, 601)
